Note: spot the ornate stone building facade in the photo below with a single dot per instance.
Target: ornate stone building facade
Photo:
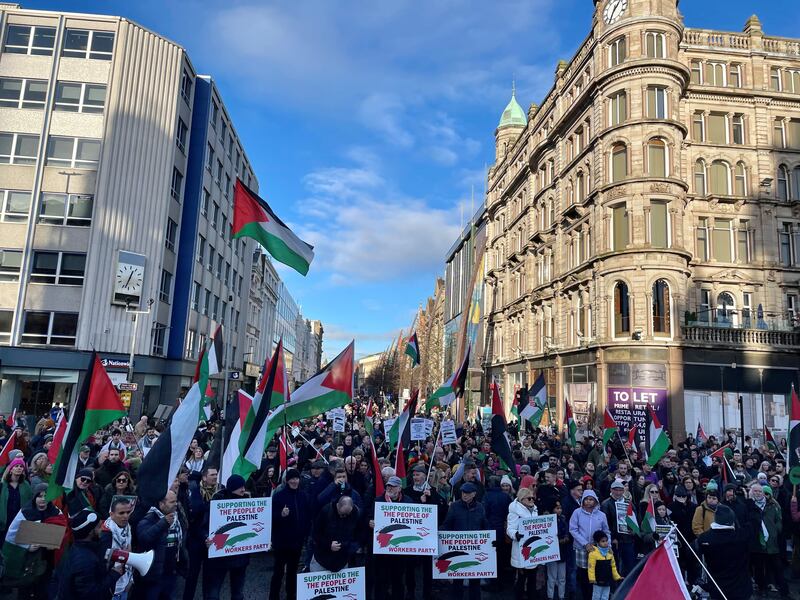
(644, 226)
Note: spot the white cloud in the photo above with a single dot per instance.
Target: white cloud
(383, 113)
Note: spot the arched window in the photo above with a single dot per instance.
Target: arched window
(619, 161)
(725, 309)
(657, 158)
(622, 309)
(796, 183)
(655, 45)
(570, 195)
(740, 181)
(580, 191)
(700, 177)
(661, 316)
(782, 190)
(720, 178)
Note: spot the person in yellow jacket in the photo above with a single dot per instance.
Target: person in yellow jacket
(602, 568)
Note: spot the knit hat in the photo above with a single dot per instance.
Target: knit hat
(527, 482)
(15, 453)
(712, 485)
(617, 485)
(767, 490)
(761, 475)
(724, 516)
(85, 449)
(85, 473)
(524, 469)
(16, 462)
(82, 523)
(292, 474)
(234, 483)
(469, 488)
(680, 491)
(506, 480)
(39, 488)
(318, 464)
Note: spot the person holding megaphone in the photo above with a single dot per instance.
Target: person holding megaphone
(116, 535)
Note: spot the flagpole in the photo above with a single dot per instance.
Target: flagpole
(624, 449)
(430, 467)
(688, 545)
(321, 455)
(225, 362)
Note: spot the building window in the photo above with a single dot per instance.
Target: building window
(696, 72)
(791, 309)
(716, 74)
(698, 127)
(227, 186)
(220, 265)
(580, 186)
(789, 239)
(205, 203)
(80, 43)
(14, 206)
(738, 129)
(656, 102)
(795, 184)
(619, 161)
(191, 340)
(701, 240)
(793, 137)
(723, 240)
(165, 288)
(181, 134)
(704, 309)
(782, 188)
(195, 296)
(214, 216)
(779, 134)
(617, 51)
(720, 178)
(27, 39)
(743, 254)
(718, 128)
(747, 309)
(80, 97)
(735, 76)
(622, 309)
(186, 86)
(50, 328)
(159, 336)
(170, 235)
(23, 93)
(220, 171)
(210, 158)
(214, 114)
(18, 148)
(10, 265)
(176, 187)
(775, 80)
(223, 132)
(6, 317)
(211, 254)
(73, 210)
(657, 158)
(78, 153)
(740, 180)
(726, 309)
(206, 302)
(700, 177)
(655, 44)
(619, 108)
(201, 249)
(619, 225)
(661, 307)
(215, 308)
(659, 224)
(62, 268)
(792, 81)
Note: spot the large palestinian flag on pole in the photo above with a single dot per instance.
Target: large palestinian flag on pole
(400, 435)
(570, 426)
(331, 388)
(658, 575)
(252, 217)
(239, 408)
(412, 349)
(794, 432)
(609, 427)
(657, 440)
(452, 388)
(210, 363)
(499, 439)
(369, 425)
(96, 406)
(537, 402)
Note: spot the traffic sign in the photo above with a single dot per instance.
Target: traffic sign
(128, 387)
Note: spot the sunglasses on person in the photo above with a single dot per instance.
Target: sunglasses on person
(85, 479)
(121, 480)
(654, 491)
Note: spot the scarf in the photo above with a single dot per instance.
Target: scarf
(761, 503)
(207, 492)
(120, 540)
(175, 533)
(603, 551)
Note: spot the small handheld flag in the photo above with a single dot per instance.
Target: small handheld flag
(412, 349)
(609, 427)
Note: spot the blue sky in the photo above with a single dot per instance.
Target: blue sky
(368, 124)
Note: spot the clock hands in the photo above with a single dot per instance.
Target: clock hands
(128, 281)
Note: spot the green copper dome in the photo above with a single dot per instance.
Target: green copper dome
(513, 115)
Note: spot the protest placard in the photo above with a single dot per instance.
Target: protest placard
(539, 543)
(622, 513)
(448, 432)
(387, 425)
(405, 529)
(339, 422)
(240, 526)
(347, 584)
(428, 427)
(417, 429)
(465, 555)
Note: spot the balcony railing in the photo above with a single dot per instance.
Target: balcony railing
(740, 336)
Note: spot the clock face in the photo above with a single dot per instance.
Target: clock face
(129, 279)
(614, 10)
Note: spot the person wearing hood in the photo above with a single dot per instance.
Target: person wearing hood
(765, 550)
(214, 570)
(721, 547)
(682, 513)
(523, 507)
(582, 525)
(735, 502)
(29, 567)
(291, 520)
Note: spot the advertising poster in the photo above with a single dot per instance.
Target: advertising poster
(405, 529)
(465, 555)
(539, 543)
(240, 526)
(628, 406)
(347, 584)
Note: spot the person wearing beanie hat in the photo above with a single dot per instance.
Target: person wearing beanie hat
(765, 547)
(507, 485)
(291, 524)
(15, 492)
(704, 514)
(724, 550)
(84, 494)
(496, 503)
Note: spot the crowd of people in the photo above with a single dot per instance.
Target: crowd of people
(735, 510)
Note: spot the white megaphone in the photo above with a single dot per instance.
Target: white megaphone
(139, 561)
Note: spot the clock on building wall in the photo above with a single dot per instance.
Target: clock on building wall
(614, 10)
(129, 278)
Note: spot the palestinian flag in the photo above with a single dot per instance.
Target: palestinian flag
(769, 439)
(272, 392)
(209, 363)
(396, 535)
(570, 426)
(400, 435)
(12, 419)
(701, 436)
(499, 438)
(252, 217)
(657, 440)
(632, 437)
(794, 431)
(369, 425)
(649, 518)
(452, 388)
(609, 427)
(235, 417)
(658, 572)
(96, 406)
(537, 402)
(630, 520)
(455, 561)
(58, 438)
(515, 403)
(160, 467)
(331, 388)
(8, 447)
(412, 349)
(231, 534)
(532, 546)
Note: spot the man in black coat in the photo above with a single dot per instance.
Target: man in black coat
(85, 573)
(160, 531)
(466, 514)
(724, 547)
(198, 503)
(291, 520)
(335, 535)
(385, 573)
